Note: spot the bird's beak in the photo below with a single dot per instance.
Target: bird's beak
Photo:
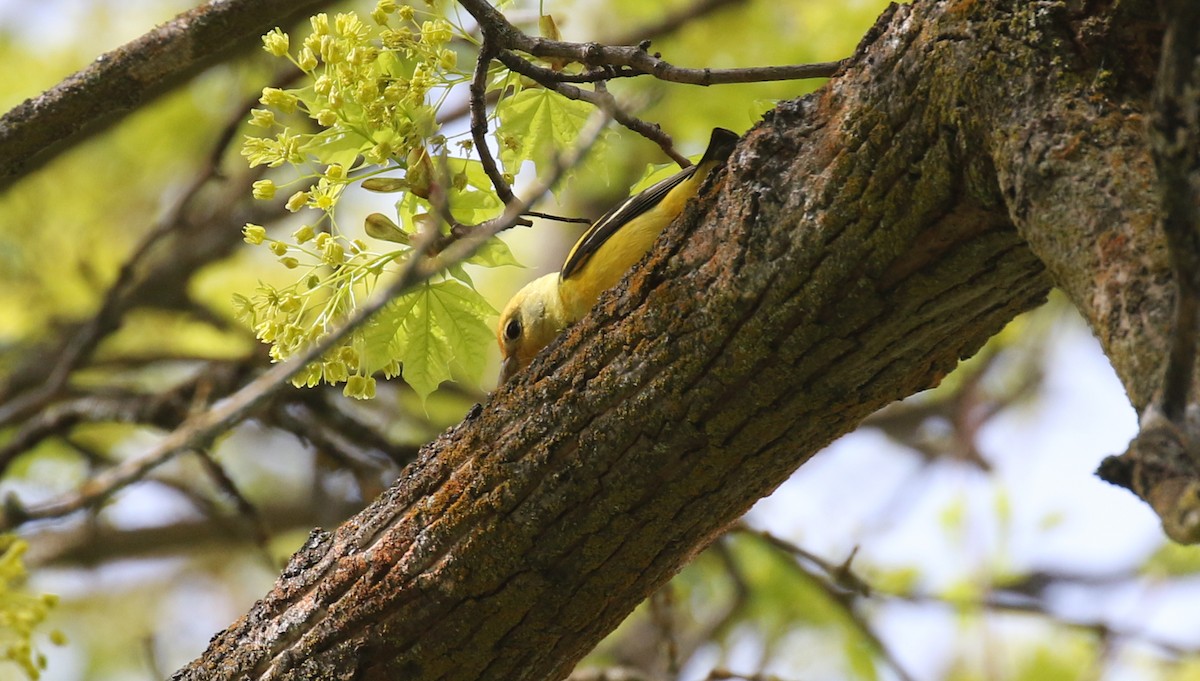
(508, 368)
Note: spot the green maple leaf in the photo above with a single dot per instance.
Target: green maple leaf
(430, 330)
(535, 124)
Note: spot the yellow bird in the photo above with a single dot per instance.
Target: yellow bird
(612, 245)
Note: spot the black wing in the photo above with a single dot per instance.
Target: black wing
(608, 224)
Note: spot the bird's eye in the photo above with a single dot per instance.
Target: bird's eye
(512, 330)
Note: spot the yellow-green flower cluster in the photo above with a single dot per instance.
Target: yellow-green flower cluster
(343, 365)
(373, 88)
(21, 612)
(336, 272)
(370, 85)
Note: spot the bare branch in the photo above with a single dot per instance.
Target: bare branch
(124, 79)
(721, 674)
(163, 410)
(501, 38)
(89, 544)
(340, 437)
(479, 121)
(665, 26)
(838, 582)
(1028, 596)
(245, 508)
(557, 218)
(133, 279)
(638, 57)
(675, 74)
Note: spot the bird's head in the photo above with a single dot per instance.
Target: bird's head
(529, 322)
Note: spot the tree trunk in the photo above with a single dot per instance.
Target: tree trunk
(859, 243)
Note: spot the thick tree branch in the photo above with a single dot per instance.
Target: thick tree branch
(124, 79)
(1162, 464)
(860, 241)
(1176, 128)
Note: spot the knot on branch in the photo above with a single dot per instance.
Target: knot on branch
(593, 54)
(1159, 465)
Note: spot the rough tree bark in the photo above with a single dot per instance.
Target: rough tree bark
(861, 241)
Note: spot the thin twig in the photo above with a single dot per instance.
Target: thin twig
(501, 40)
(610, 674)
(640, 59)
(839, 582)
(1017, 599)
(351, 443)
(557, 218)
(599, 98)
(479, 120)
(164, 410)
(839, 575)
(722, 674)
(60, 417)
(286, 77)
(107, 318)
(741, 591)
(662, 615)
(245, 508)
(506, 36)
(664, 26)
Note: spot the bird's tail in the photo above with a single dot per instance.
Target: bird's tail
(720, 145)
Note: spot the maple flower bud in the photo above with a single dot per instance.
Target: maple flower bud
(263, 189)
(276, 43)
(280, 99)
(254, 234)
(296, 201)
(306, 59)
(360, 387)
(262, 118)
(327, 117)
(304, 234)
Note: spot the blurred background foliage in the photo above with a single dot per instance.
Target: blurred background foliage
(957, 535)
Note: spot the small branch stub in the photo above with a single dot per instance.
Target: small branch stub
(1157, 466)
